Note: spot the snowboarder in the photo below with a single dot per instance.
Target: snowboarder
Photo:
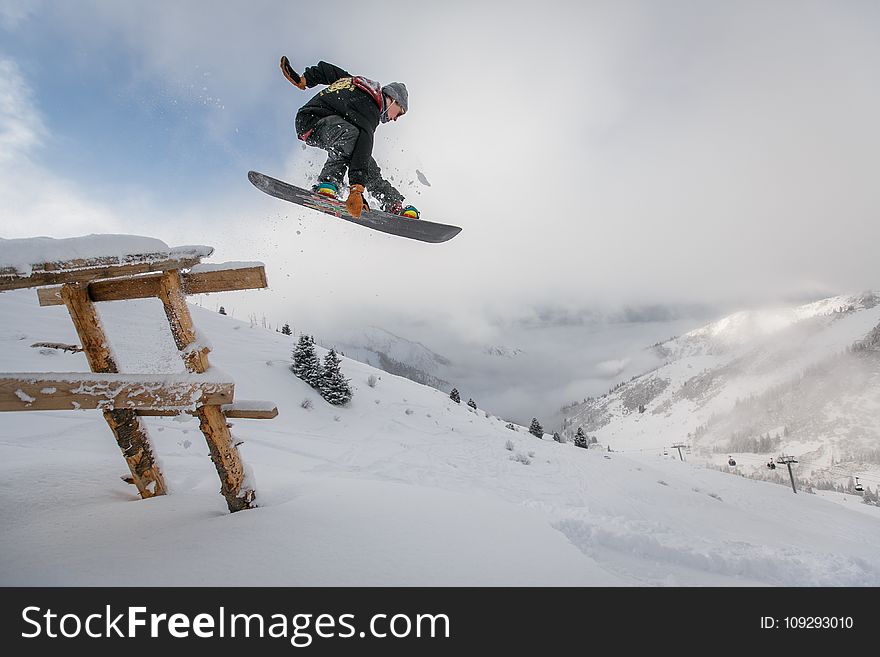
(341, 120)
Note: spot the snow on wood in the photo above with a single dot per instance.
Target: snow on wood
(253, 405)
(190, 249)
(243, 410)
(23, 254)
(249, 409)
(35, 261)
(223, 266)
(65, 391)
(57, 345)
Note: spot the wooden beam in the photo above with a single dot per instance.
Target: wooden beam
(77, 271)
(144, 287)
(237, 410)
(248, 413)
(130, 433)
(195, 356)
(238, 492)
(224, 277)
(88, 327)
(59, 392)
(132, 437)
(230, 468)
(57, 345)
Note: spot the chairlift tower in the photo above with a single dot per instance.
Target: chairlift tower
(788, 460)
(679, 447)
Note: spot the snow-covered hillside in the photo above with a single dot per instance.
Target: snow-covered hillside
(788, 375)
(401, 487)
(393, 354)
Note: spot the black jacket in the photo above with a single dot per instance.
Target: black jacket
(356, 99)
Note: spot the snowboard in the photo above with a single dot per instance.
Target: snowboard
(414, 229)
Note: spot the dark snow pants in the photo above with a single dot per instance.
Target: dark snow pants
(338, 137)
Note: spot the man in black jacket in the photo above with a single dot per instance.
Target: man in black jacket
(342, 119)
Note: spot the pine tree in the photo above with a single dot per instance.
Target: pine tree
(472, 404)
(334, 387)
(286, 329)
(454, 396)
(557, 437)
(305, 361)
(222, 310)
(536, 429)
(580, 439)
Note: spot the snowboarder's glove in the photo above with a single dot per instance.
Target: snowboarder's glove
(295, 79)
(355, 202)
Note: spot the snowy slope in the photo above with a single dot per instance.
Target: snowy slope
(783, 372)
(401, 487)
(393, 354)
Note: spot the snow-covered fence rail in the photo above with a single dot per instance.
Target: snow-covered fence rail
(171, 394)
(100, 268)
(88, 269)
(242, 409)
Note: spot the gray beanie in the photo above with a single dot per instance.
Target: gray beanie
(397, 91)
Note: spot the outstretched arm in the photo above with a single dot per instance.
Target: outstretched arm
(321, 73)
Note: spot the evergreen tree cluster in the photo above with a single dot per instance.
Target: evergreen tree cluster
(583, 440)
(286, 329)
(536, 429)
(326, 378)
(455, 396)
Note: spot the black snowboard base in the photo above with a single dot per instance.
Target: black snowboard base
(414, 229)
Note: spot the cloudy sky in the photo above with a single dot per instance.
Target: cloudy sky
(597, 154)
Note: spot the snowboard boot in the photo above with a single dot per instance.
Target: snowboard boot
(327, 189)
(410, 212)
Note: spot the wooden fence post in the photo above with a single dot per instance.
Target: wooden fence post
(130, 432)
(212, 422)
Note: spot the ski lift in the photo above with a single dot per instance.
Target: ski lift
(771, 464)
(730, 461)
(859, 488)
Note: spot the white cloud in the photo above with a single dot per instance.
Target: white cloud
(21, 127)
(612, 368)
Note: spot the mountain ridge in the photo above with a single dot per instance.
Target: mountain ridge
(749, 374)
